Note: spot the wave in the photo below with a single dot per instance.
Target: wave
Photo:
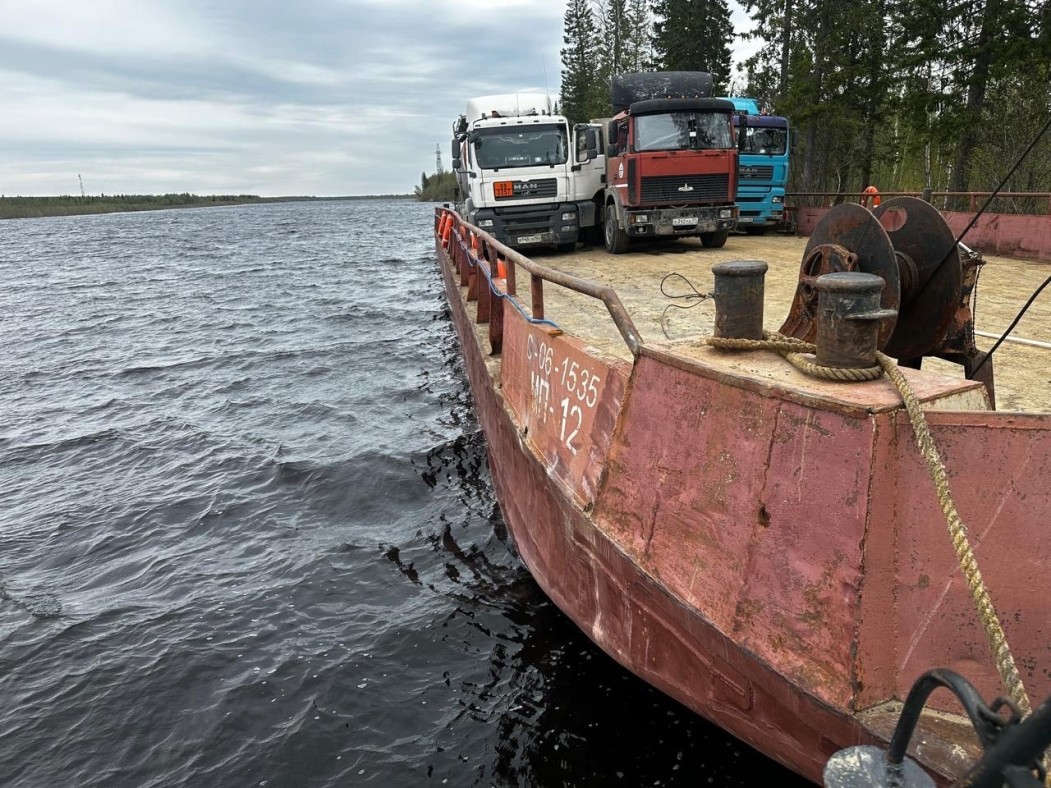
(39, 604)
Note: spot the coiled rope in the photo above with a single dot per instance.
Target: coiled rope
(793, 350)
(797, 353)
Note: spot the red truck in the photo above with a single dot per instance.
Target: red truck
(671, 161)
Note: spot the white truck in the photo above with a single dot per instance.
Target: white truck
(523, 175)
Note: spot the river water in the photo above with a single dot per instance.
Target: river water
(248, 534)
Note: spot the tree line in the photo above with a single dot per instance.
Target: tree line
(71, 205)
(440, 187)
(902, 94)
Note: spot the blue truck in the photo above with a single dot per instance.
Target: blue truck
(762, 167)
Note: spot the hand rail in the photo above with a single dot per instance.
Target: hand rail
(474, 248)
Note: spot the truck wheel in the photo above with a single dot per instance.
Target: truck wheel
(715, 240)
(616, 238)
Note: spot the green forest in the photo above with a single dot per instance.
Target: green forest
(439, 187)
(907, 96)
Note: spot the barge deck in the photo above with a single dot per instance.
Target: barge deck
(1023, 372)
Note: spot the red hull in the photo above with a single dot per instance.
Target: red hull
(737, 541)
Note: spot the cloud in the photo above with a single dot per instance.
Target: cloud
(322, 97)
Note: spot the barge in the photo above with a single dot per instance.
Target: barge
(765, 546)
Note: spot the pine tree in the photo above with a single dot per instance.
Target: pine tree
(694, 35)
(638, 46)
(615, 24)
(580, 62)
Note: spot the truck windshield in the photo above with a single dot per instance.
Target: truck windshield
(769, 142)
(499, 148)
(683, 131)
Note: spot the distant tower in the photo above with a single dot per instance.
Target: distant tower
(438, 160)
(81, 184)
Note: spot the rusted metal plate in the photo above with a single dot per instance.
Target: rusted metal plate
(565, 399)
(998, 466)
(752, 509)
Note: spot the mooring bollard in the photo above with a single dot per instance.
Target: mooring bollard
(739, 299)
(848, 315)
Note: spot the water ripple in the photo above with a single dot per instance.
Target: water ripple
(249, 533)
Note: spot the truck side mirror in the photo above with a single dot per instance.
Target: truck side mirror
(611, 151)
(793, 139)
(456, 164)
(592, 142)
(584, 152)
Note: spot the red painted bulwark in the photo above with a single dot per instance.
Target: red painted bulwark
(1003, 233)
(998, 464)
(565, 401)
(724, 496)
(766, 548)
(1013, 235)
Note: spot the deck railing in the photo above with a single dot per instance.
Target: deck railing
(1028, 203)
(476, 255)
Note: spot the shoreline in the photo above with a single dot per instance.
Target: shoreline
(65, 205)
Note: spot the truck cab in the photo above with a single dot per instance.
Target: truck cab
(671, 171)
(517, 166)
(763, 166)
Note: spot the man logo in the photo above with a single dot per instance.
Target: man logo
(686, 188)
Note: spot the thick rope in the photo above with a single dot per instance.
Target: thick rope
(799, 354)
(994, 632)
(793, 349)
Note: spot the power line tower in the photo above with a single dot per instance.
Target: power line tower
(81, 185)
(438, 159)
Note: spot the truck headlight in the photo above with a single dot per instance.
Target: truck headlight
(726, 213)
(569, 216)
(485, 222)
(640, 218)
(779, 198)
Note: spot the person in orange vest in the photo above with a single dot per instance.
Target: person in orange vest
(870, 193)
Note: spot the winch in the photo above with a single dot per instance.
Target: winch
(929, 281)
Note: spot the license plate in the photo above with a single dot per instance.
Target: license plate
(530, 239)
(680, 221)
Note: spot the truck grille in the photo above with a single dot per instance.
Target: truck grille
(761, 171)
(521, 190)
(679, 189)
(524, 220)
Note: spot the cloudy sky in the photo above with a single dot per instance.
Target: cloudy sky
(267, 97)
